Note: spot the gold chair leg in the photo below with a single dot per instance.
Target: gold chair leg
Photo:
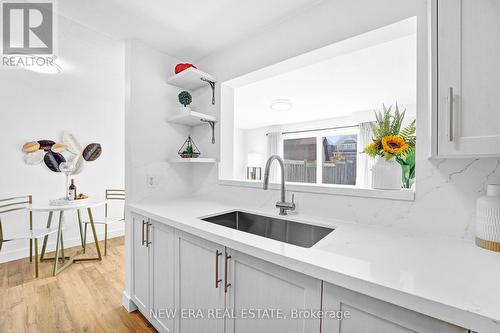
(31, 228)
(36, 257)
(58, 240)
(44, 246)
(1, 235)
(92, 226)
(80, 226)
(105, 240)
(85, 238)
(62, 247)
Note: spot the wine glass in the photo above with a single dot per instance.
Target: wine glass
(67, 168)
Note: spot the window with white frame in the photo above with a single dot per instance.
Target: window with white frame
(321, 157)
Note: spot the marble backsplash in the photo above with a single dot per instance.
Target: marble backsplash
(446, 193)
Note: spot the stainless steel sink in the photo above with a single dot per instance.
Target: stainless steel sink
(296, 233)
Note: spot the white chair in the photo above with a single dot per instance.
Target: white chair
(10, 205)
(111, 194)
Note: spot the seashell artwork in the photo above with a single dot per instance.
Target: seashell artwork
(72, 144)
(52, 161)
(59, 148)
(92, 152)
(66, 167)
(34, 158)
(73, 160)
(30, 147)
(78, 164)
(46, 144)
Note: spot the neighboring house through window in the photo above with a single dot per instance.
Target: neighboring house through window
(321, 157)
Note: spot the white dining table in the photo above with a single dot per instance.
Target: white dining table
(62, 209)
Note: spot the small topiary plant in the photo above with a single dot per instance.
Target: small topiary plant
(185, 98)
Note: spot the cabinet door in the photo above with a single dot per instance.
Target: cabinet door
(262, 286)
(162, 275)
(468, 82)
(365, 314)
(140, 264)
(198, 268)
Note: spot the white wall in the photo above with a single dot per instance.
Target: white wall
(150, 140)
(446, 189)
(87, 99)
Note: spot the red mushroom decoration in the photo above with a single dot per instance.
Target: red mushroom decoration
(181, 67)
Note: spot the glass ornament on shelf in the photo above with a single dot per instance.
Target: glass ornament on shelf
(189, 149)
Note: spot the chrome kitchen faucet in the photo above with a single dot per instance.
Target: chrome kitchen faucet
(282, 205)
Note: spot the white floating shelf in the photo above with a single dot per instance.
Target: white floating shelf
(191, 118)
(193, 160)
(191, 79)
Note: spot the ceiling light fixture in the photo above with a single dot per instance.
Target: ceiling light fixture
(281, 105)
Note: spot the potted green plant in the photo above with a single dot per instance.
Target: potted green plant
(408, 158)
(185, 98)
(407, 162)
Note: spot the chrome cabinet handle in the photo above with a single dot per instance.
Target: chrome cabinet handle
(226, 284)
(143, 223)
(217, 280)
(451, 115)
(147, 234)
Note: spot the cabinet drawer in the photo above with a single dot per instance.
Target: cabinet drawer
(256, 284)
(369, 315)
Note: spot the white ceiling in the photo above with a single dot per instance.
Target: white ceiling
(186, 29)
(357, 81)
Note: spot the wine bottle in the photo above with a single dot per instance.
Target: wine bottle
(72, 190)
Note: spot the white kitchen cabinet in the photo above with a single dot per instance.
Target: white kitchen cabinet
(468, 63)
(140, 263)
(369, 315)
(199, 284)
(153, 271)
(214, 289)
(162, 275)
(212, 277)
(257, 284)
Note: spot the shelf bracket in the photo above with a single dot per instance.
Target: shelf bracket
(212, 85)
(212, 125)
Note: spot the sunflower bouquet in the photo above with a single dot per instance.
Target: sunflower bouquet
(389, 140)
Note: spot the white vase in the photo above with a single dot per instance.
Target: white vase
(387, 174)
(488, 219)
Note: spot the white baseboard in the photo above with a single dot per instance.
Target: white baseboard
(127, 302)
(24, 252)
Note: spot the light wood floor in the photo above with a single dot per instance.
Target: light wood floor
(86, 297)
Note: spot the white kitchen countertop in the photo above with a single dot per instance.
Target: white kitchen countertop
(445, 278)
